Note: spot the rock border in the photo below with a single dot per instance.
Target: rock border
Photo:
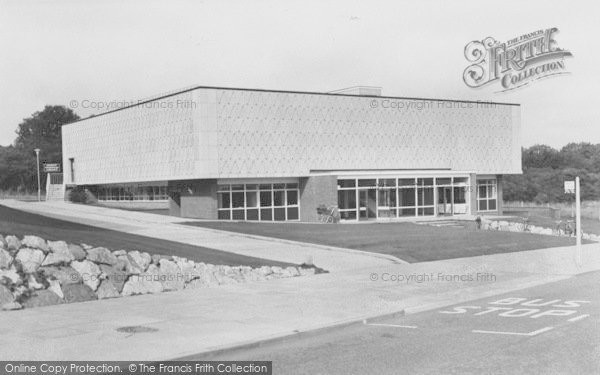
(35, 272)
(512, 226)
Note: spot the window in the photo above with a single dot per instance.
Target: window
(72, 168)
(487, 195)
(264, 202)
(132, 193)
(403, 196)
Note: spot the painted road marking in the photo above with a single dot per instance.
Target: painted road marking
(515, 333)
(578, 318)
(519, 307)
(390, 325)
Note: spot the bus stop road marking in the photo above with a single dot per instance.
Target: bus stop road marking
(515, 333)
(577, 318)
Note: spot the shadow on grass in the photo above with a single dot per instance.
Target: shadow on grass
(19, 223)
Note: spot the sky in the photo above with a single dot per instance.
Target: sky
(75, 51)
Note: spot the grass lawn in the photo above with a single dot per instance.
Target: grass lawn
(407, 241)
(19, 223)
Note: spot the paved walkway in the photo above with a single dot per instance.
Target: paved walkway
(195, 321)
(169, 228)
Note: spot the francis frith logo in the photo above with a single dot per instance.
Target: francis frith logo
(514, 63)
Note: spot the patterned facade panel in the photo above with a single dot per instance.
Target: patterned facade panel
(229, 133)
(290, 134)
(150, 142)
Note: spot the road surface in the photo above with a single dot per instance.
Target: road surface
(549, 329)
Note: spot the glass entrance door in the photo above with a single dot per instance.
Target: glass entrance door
(445, 201)
(367, 204)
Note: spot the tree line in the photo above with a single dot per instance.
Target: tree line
(18, 173)
(545, 169)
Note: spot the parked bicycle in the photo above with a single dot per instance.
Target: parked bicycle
(566, 227)
(327, 214)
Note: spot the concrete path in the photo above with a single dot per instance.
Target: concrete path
(169, 228)
(194, 321)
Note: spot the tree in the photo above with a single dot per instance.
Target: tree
(540, 156)
(545, 169)
(42, 130)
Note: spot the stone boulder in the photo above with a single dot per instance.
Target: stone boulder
(35, 242)
(102, 255)
(54, 286)
(33, 283)
(148, 282)
(127, 265)
(12, 243)
(535, 229)
(11, 275)
(264, 271)
(3, 244)
(59, 253)
(56, 258)
(6, 295)
(42, 298)
(292, 272)
(11, 306)
(64, 275)
(306, 271)
(58, 246)
(140, 260)
(186, 268)
(78, 293)
(118, 253)
(5, 259)
(170, 275)
(227, 275)
(30, 259)
(77, 252)
(113, 276)
(107, 290)
(89, 271)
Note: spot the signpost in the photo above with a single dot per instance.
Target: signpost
(37, 158)
(570, 188)
(578, 220)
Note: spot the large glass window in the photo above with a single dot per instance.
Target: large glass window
(401, 197)
(132, 193)
(264, 202)
(487, 195)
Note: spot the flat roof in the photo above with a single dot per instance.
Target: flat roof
(290, 92)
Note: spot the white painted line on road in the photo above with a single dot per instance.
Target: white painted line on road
(390, 325)
(515, 333)
(578, 318)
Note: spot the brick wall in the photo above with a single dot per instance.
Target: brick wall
(314, 191)
(193, 198)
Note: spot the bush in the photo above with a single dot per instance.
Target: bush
(78, 195)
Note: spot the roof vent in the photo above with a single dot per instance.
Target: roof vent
(359, 90)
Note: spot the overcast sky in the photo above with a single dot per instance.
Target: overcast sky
(56, 52)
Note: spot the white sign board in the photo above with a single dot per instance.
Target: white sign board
(51, 167)
(569, 187)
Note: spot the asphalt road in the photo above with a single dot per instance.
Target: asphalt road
(19, 223)
(550, 329)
